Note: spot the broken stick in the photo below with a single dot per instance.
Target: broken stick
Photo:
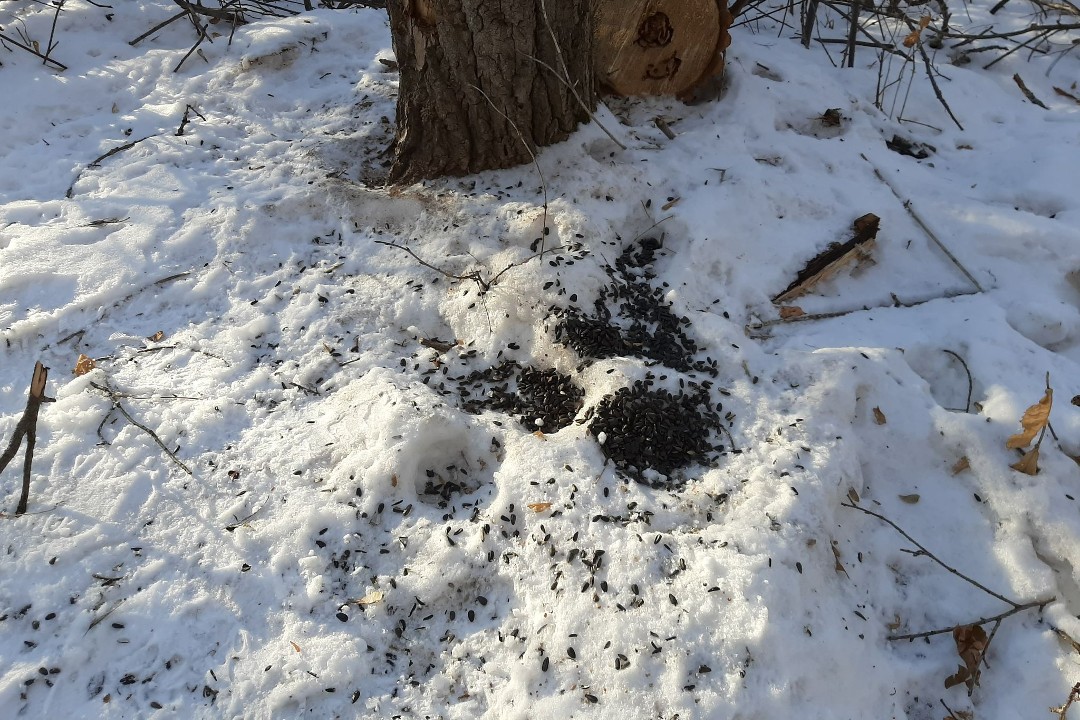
(27, 427)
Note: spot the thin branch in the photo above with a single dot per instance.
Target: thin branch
(32, 51)
(924, 551)
(159, 26)
(50, 45)
(971, 385)
(96, 162)
(919, 221)
(933, 83)
(536, 163)
(566, 76)
(115, 398)
(841, 313)
(1040, 604)
(474, 275)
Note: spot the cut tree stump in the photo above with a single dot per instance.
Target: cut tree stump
(659, 47)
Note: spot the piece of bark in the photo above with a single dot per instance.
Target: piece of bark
(826, 264)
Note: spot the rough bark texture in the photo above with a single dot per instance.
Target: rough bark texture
(448, 49)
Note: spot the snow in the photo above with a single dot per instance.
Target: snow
(300, 569)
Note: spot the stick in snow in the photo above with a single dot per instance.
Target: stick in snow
(27, 426)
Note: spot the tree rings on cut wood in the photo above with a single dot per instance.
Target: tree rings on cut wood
(659, 47)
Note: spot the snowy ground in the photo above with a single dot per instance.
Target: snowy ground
(300, 569)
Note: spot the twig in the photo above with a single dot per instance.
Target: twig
(1074, 696)
(923, 551)
(536, 163)
(115, 398)
(933, 83)
(50, 45)
(232, 526)
(159, 26)
(97, 620)
(1027, 93)
(591, 114)
(27, 427)
(474, 275)
(971, 385)
(841, 313)
(96, 162)
(566, 76)
(184, 121)
(32, 51)
(919, 221)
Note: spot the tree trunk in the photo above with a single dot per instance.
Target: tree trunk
(483, 84)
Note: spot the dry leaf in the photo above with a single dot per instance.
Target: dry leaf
(1076, 400)
(789, 312)
(1034, 420)
(157, 337)
(1029, 464)
(84, 365)
(879, 417)
(371, 598)
(853, 496)
(910, 499)
(913, 38)
(831, 117)
(294, 646)
(540, 434)
(393, 480)
(838, 566)
(895, 624)
(959, 715)
(539, 507)
(670, 204)
(970, 645)
(961, 465)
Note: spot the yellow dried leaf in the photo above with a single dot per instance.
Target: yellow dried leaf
(670, 204)
(294, 646)
(1029, 464)
(393, 480)
(913, 38)
(879, 417)
(371, 598)
(157, 337)
(895, 624)
(1034, 420)
(539, 507)
(853, 496)
(790, 312)
(961, 465)
(910, 499)
(540, 434)
(84, 365)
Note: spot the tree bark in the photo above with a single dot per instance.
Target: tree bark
(483, 83)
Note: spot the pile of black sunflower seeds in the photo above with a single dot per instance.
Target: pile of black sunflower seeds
(642, 323)
(544, 400)
(651, 433)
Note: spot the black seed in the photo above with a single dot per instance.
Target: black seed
(570, 651)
